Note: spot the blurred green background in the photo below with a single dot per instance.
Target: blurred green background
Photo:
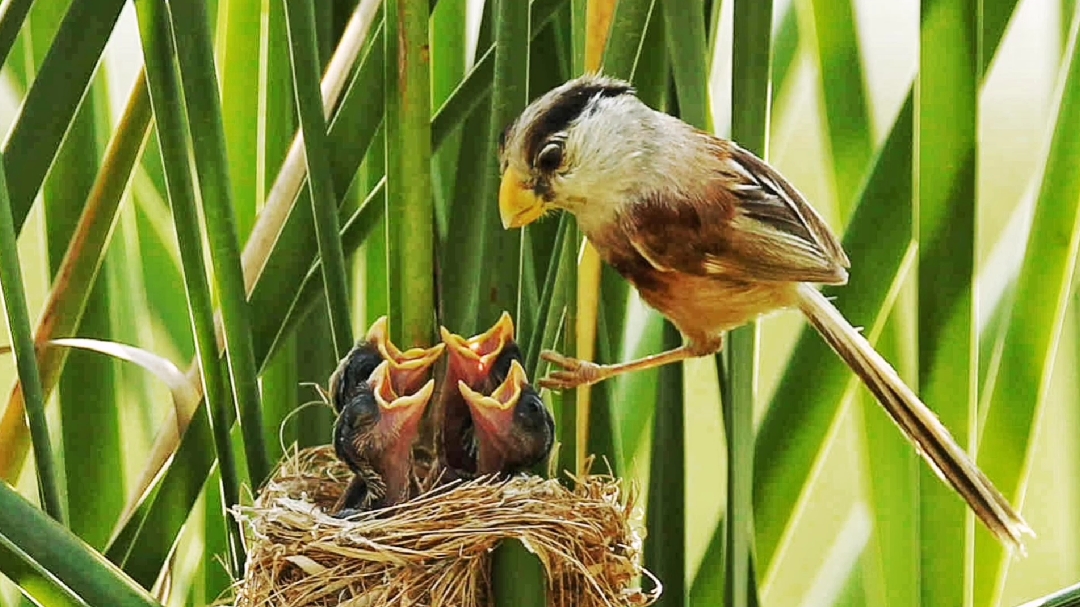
(941, 138)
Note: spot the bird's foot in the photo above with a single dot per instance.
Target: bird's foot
(574, 372)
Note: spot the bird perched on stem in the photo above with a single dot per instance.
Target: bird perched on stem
(710, 236)
(380, 395)
(491, 420)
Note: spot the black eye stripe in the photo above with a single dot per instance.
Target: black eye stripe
(567, 107)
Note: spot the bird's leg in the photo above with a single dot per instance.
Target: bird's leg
(583, 373)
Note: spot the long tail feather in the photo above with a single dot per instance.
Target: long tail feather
(915, 419)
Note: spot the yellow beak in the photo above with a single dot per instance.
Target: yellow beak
(518, 205)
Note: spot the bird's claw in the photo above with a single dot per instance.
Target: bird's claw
(574, 372)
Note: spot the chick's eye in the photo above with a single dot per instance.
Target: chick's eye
(550, 158)
(531, 408)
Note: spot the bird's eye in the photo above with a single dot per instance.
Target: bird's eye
(531, 408)
(550, 158)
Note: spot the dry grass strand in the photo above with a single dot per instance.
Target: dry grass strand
(435, 549)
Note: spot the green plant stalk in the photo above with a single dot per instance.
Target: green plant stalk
(466, 227)
(786, 450)
(300, 18)
(546, 328)
(36, 585)
(847, 114)
(408, 172)
(751, 62)
(22, 340)
(355, 232)
(88, 466)
(448, 49)
(165, 96)
(66, 302)
(792, 432)
(277, 125)
(565, 319)
(1047, 277)
(509, 94)
(947, 112)
(239, 37)
(665, 554)
(625, 40)
(11, 21)
(200, 88)
(518, 577)
(684, 31)
(50, 104)
(785, 49)
(45, 544)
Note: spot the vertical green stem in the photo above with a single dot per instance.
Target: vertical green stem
(947, 115)
(300, 17)
(509, 94)
(199, 78)
(666, 520)
(11, 22)
(750, 126)
(409, 207)
(166, 100)
(22, 340)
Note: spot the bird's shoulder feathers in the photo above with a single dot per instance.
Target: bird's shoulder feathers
(748, 223)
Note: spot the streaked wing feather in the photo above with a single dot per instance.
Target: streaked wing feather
(770, 199)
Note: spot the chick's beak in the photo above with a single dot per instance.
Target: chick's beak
(407, 368)
(398, 410)
(494, 414)
(472, 358)
(518, 204)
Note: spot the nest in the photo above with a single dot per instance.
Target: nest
(436, 549)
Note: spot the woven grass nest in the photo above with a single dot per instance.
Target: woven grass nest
(435, 549)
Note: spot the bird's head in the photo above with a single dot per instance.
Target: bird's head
(380, 421)
(514, 430)
(409, 368)
(471, 359)
(580, 147)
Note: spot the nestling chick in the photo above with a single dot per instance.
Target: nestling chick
(514, 430)
(410, 367)
(712, 237)
(470, 360)
(380, 403)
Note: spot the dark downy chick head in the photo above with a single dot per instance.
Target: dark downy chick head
(472, 360)
(410, 367)
(374, 435)
(514, 430)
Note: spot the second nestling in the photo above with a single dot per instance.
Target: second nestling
(380, 395)
(491, 419)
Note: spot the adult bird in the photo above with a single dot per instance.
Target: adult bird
(710, 236)
(380, 394)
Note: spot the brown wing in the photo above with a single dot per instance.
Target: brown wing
(751, 225)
